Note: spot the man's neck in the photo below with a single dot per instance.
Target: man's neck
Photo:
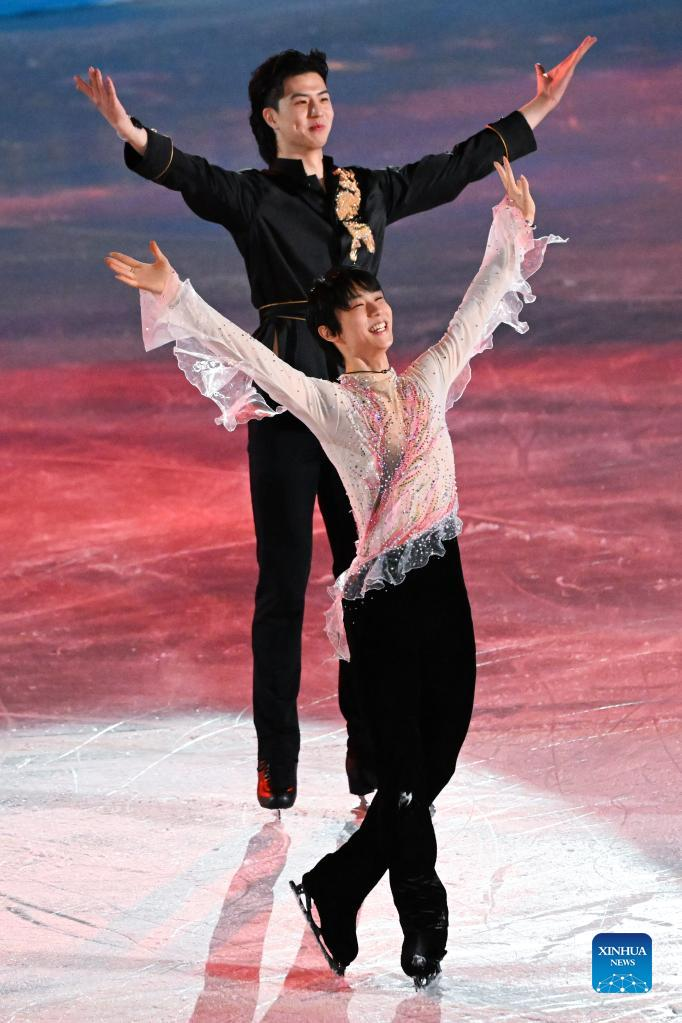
(375, 363)
(312, 159)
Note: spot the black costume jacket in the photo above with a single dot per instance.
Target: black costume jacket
(288, 229)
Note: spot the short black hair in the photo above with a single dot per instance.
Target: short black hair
(336, 290)
(266, 88)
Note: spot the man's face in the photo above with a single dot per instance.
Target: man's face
(366, 326)
(304, 116)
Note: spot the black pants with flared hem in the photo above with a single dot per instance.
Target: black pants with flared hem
(288, 471)
(413, 649)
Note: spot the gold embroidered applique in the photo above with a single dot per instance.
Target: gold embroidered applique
(348, 199)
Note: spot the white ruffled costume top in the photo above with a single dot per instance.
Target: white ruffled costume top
(385, 433)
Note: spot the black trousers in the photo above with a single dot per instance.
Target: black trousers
(413, 649)
(288, 471)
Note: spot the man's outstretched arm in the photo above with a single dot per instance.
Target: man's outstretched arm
(201, 332)
(439, 178)
(495, 296)
(210, 191)
(102, 93)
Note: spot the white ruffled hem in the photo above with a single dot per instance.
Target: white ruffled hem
(388, 568)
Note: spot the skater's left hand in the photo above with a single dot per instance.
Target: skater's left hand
(551, 85)
(517, 191)
(144, 276)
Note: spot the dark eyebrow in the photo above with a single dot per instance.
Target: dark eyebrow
(322, 92)
(361, 298)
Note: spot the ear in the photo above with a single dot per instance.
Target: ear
(326, 334)
(270, 117)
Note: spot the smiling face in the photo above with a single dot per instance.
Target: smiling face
(303, 117)
(366, 331)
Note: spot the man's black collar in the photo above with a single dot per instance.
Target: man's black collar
(295, 169)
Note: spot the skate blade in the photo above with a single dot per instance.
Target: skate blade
(332, 963)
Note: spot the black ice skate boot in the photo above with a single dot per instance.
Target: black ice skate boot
(276, 786)
(422, 954)
(423, 911)
(335, 932)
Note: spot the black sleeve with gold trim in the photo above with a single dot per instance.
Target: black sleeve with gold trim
(439, 178)
(213, 193)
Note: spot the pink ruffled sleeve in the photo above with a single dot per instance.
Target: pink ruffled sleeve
(222, 362)
(496, 295)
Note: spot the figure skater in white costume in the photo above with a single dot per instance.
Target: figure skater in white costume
(401, 609)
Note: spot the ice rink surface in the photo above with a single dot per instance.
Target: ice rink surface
(141, 882)
(140, 879)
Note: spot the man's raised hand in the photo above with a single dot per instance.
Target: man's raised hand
(101, 92)
(517, 191)
(551, 85)
(144, 276)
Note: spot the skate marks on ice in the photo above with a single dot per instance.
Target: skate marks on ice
(167, 896)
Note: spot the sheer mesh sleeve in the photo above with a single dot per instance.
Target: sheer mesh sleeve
(223, 361)
(496, 295)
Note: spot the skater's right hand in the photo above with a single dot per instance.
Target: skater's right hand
(154, 277)
(101, 92)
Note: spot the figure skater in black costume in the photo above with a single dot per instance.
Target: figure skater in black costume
(291, 220)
